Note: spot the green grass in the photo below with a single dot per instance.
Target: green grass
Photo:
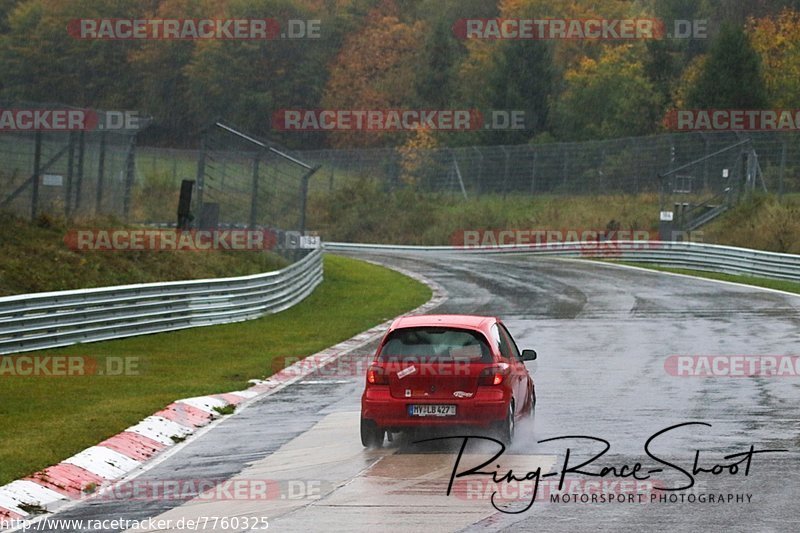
(364, 212)
(47, 419)
(781, 285)
(226, 410)
(35, 259)
(763, 222)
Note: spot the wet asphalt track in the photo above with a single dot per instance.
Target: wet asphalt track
(603, 334)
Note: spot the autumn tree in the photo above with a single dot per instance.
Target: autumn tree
(567, 52)
(731, 76)
(42, 62)
(608, 97)
(6, 7)
(777, 41)
(436, 81)
(375, 69)
(682, 87)
(245, 81)
(415, 156)
(161, 69)
(521, 79)
(667, 58)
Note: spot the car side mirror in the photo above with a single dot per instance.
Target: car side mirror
(528, 355)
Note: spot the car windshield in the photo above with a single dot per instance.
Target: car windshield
(435, 344)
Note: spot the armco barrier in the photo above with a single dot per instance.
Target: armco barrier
(47, 320)
(697, 256)
(51, 319)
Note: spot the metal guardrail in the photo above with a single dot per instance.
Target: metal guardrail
(52, 319)
(691, 255)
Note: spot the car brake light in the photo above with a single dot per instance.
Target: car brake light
(377, 376)
(493, 375)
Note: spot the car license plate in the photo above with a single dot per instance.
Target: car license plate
(431, 410)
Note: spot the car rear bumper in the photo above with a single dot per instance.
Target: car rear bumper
(488, 406)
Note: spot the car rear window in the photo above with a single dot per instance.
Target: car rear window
(435, 344)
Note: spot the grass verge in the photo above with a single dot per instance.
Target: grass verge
(781, 285)
(35, 259)
(364, 212)
(47, 419)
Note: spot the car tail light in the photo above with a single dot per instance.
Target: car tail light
(493, 375)
(377, 376)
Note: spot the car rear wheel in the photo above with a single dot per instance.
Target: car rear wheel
(532, 400)
(371, 434)
(505, 428)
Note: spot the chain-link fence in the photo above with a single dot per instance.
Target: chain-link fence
(67, 161)
(626, 166)
(244, 181)
(697, 176)
(241, 180)
(695, 193)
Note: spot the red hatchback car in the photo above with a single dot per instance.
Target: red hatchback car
(446, 370)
